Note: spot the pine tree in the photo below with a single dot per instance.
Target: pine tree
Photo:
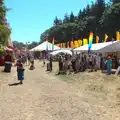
(72, 17)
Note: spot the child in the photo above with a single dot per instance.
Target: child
(20, 71)
(43, 61)
(32, 67)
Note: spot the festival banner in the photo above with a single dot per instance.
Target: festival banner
(80, 43)
(53, 44)
(64, 45)
(75, 44)
(85, 41)
(97, 39)
(106, 37)
(90, 41)
(72, 44)
(117, 35)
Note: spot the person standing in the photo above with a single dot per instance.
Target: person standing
(20, 71)
(50, 63)
(28, 57)
(118, 69)
(108, 63)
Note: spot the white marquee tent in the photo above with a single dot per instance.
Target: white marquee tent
(44, 46)
(61, 51)
(101, 47)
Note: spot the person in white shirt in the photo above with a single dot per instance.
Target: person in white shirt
(98, 62)
(118, 69)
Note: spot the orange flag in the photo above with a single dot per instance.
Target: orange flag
(117, 35)
(64, 45)
(72, 44)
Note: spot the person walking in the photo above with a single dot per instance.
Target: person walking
(20, 71)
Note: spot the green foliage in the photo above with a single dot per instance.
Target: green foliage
(18, 45)
(4, 35)
(99, 17)
(1, 50)
(4, 30)
(22, 46)
(111, 18)
(3, 10)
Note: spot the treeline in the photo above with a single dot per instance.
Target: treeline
(101, 18)
(22, 46)
(4, 27)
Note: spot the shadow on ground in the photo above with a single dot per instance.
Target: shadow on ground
(14, 84)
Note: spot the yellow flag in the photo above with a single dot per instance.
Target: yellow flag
(117, 35)
(79, 43)
(85, 41)
(106, 37)
(97, 39)
(75, 44)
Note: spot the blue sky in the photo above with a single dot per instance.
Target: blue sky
(29, 18)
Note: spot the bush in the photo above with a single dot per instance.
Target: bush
(1, 52)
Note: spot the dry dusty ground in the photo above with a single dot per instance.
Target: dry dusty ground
(45, 96)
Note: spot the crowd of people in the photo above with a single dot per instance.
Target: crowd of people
(88, 62)
(76, 63)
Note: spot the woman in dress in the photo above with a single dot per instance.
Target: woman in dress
(20, 71)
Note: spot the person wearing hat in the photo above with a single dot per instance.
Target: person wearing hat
(108, 63)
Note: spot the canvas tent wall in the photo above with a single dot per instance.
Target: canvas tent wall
(45, 46)
(101, 47)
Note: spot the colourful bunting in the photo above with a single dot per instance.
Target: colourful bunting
(53, 43)
(90, 41)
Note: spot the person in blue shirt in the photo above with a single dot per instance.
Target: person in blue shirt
(108, 63)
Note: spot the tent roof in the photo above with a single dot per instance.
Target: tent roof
(44, 46)
(61, 51)
(102, 47)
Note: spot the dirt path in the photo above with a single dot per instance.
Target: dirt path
(45, 97)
